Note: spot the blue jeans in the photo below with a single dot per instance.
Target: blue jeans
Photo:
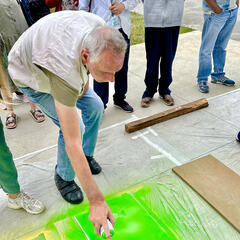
(92, 111)
(216, 33)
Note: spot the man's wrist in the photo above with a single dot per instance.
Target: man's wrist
(95, 199)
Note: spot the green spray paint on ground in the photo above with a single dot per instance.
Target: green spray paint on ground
(132, 221)
(164, 208)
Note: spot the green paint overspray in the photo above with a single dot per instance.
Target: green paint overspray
(140, 212)
(163, 208)
(132, 221)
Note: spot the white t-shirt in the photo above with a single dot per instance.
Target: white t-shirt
(53, 43)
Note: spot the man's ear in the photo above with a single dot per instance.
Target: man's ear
(85, 55)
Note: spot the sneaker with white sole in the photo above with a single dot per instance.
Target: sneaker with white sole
(26, 202)
(224, 81)
(203, 86)
(125, 106)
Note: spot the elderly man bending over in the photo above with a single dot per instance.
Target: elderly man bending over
(50, 63)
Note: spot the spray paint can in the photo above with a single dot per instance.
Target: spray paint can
(110, 226)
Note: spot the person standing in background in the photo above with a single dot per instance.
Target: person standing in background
(38, 9)
(117, 15)
(10, 29)
(162, 23)
(219, 20)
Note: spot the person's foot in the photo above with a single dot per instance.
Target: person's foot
(167, 99)
(3, 106)
(26, 202)
(20, 97)
(69, 190)
(203, 87)
(224, 81)
(125, 106)
(145, 102)
(37, 115)
(11, 121)
(94, 166)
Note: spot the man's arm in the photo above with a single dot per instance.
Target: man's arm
(237, 2)
(214, 6)
(99, 210)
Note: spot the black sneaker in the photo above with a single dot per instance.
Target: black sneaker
(69, 190)
(124, 106)
(94, 166)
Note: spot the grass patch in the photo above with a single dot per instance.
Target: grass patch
(185, 29)
(137, 29)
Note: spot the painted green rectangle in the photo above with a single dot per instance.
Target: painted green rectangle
(133, 221)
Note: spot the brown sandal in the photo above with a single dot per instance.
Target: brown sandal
(145, 102)
(168, 100)
(37, 114)
(13, 120)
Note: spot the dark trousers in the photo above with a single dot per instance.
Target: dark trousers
(8, 172)
(160, 44)
(120, 85)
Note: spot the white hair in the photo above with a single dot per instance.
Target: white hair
(104, 38)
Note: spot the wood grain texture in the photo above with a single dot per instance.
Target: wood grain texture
(166, 115)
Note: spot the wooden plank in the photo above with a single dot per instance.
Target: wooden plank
(166, 115)
(216, 183)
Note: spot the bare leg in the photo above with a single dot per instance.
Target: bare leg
(7, 99)
(14, 196)
(11, 117)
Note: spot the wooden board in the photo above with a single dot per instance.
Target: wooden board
(216, 183)
(166, 115)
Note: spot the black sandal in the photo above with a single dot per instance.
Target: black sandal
(9, 121)
(37, 114)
